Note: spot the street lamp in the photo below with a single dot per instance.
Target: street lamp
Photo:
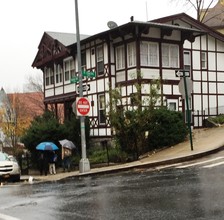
(84, 165)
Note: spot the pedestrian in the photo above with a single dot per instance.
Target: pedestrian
(66, 158)
(41, 162)
(52, 162)
(46, 162)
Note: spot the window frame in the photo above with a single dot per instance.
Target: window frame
(172, 58)
(187, 60)
(149, 54)
(100, 60)
(204, 62)
(69, 69)
(120, 57)
(101, 109)
(131, 54)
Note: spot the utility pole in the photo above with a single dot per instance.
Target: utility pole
(84, 165)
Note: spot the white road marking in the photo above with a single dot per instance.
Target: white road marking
(213, 165)
(7, 217)
(199, 163)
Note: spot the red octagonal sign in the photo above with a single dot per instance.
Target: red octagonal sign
(82, 106)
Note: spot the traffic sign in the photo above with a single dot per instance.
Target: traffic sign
(85, 87)
(82, 106)
(74, 107)
(182, 88)
(88, 74)
(182, 73)
(74, 79)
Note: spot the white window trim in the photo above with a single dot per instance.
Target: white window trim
(120, 57)
(204, 60)
(102, 106)
(151, 59)
(131, 51)
(172, 58)
(70, 68)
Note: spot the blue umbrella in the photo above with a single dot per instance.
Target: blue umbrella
(47, 146)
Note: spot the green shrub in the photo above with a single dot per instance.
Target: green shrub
(98, 155)
(218, 119)
(166, 128)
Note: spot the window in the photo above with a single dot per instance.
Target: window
(49, 77)
(58, 74)
(69, 69)
(203, 60)
(149, 54)
(99, 59)
(83, 59)
(172, 106)
(102, 108)
(120, 58)
(187, 60)
(170, 55)
(131, 55)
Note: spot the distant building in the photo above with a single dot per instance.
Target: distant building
(18, 108)
(214, 17)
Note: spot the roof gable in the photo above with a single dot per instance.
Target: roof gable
(188, 20)
(53, 46)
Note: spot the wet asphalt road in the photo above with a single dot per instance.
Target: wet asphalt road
(171, 193)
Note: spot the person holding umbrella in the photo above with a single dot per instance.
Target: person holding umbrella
(46, 148)
(52, 162)
(67, 147)
(66, 158)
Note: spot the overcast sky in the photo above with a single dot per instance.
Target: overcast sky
(23, 23)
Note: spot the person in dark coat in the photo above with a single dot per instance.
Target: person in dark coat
(41, 162)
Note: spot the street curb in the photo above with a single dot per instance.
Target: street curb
(129, 166)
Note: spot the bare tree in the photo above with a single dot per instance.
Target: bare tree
(201, 7)
(34, 83)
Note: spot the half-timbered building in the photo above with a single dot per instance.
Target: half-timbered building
(116, 55)
(205, 59)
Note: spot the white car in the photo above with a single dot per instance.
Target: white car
(9, 168)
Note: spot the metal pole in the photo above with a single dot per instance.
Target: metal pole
(188, 111)
(84, 165)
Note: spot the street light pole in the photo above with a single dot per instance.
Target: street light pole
(84, 165)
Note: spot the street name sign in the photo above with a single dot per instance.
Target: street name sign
(88, 74)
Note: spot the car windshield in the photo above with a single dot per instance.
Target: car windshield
(3, 157)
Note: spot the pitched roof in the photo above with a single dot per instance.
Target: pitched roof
(66, 38)
(192, 22)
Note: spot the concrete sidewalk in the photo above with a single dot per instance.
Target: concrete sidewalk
(205, 141)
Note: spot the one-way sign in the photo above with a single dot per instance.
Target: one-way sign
(182, 73)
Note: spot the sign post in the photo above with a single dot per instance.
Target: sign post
(84, 165)
(184, 74)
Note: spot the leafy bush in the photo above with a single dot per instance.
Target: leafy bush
(98, 155)
(166, 128)
(217, 120)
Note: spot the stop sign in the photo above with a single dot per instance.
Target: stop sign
(82, 106)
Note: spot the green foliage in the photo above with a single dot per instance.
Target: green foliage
(47, 128)
(72, 131)
(130, 122)
(42, 128)
(147, 116)
(98, 155)
(217, 120)
(166, 128)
